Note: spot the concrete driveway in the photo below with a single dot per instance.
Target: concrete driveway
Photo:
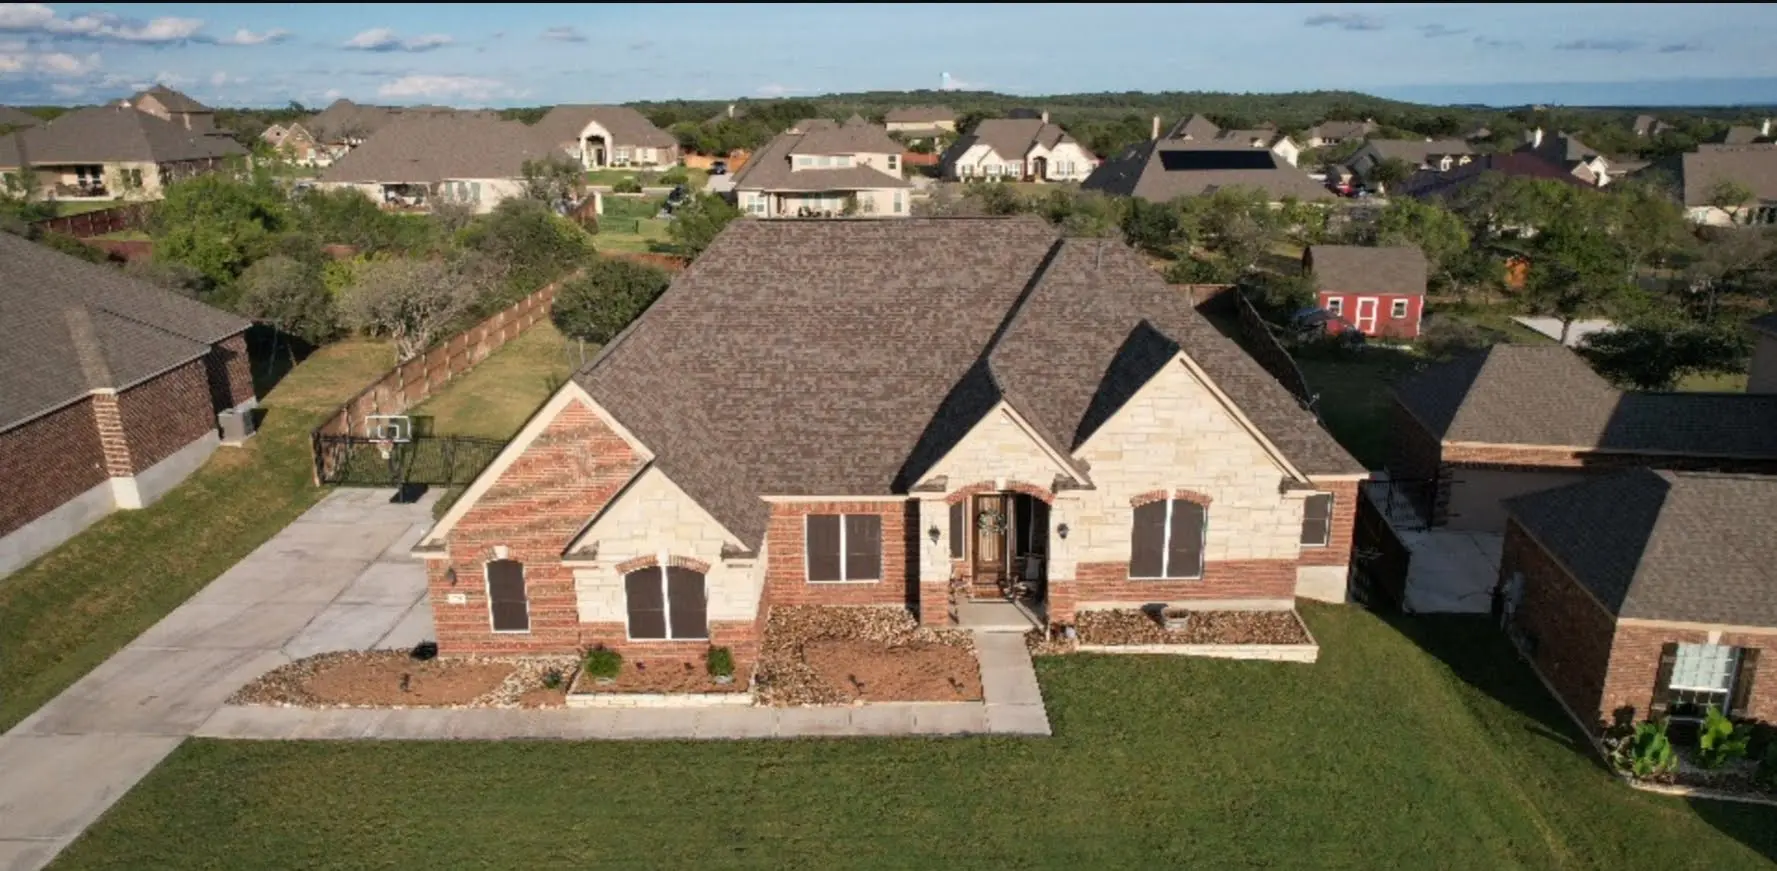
(339, 578)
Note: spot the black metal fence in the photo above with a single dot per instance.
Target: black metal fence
(442, 461)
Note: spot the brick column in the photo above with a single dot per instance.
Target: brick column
(111, 438)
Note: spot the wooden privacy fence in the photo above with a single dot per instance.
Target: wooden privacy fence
(410, 383)
(1265, 347)
(131, 216)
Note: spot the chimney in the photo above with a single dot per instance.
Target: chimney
(1156, 133)
(1764, 127)
(1045, 116)
(1536, 138)
(731, 110)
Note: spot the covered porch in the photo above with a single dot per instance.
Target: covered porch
(405, 196)
(999, 562)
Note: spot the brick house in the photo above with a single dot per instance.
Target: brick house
(109, 390)
(904, 413)
(1377, 291)
(1514, 419)
(1647, 594)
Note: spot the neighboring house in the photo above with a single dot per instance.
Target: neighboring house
(849, 170)
(1165, 169)
(1335, 132)
(297, 144)
(1743, 134)
(1017, 149)
(1202, 131)
(1647, 595)
(1196, 128)
(1584, 161)
(417, 160)
(1762, 376)
(109, 391)
(112, 152)
(344, 125)
(1441, 155)
(1514, 419)
(1442, 184)
(920, 123)
(1376, 291)
(15, 119)
(1702, 173)
(1648, 125)
(1035, 418)
(608, 136)
(169, 105)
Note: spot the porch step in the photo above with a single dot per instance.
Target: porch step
(996, 616)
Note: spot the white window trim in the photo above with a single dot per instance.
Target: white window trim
(487, 591)
(1336, 305)
(1332, 501)
(1398, 308)
(842, 578)
(666, 606)
(1166, 544)
(1733, 663)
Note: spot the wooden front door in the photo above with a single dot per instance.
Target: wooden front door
(990, 518)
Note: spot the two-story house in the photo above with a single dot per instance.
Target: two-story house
(1018, 149)
(113, 152)
(1578, 158)
(922, 123)
(825, 170)
(600, 137)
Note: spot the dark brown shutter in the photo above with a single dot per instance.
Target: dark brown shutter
(1039, 527)
(958, 531)
(1184, 556)
(863, 547)
(1663, 682)
(823, 547)
(1147, 546)
(684, 592)
(1743, 676)
(506, 598)
(1317, 513)
(647, 608)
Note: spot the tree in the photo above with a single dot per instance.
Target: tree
(217, 224)
(1655, 357)
(348, 217)
(609, 293)
(1153, 227)
(552, 181)
(1729, 196)
(1576, 269)
(699, 221)
(288, 294)
(995, 198)
(1729, 260)
(413, 302)
(524, 245)
(176, 277)
(1236, 223)
(1649, 224)
(1390, 171)
(1438, 233)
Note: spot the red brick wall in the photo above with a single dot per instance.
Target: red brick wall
(48, 461)
(1337, 551)
(741, 637)
(1232, 579)
(786, 571)
(230, 373)
(166, 413)
(1572, 633)
(1635, 663)
(536, 506)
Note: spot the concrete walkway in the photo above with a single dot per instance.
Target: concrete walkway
(338, 578)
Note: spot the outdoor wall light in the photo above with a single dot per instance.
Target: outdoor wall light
(451, 575)
(1062, 531)
(933, 533)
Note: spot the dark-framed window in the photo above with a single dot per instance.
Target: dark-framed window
(841, 548)
(508, 606)
(666, 603)
(1317, 520)
(959, 531)
(1167, 540)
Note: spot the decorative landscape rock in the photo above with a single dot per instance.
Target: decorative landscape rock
(396, 679)
(838, 655)
(1204, 627)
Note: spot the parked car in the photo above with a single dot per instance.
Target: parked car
(720, 167)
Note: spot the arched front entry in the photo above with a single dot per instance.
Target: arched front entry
(1039, 168)
(595, 151)
(666, 603)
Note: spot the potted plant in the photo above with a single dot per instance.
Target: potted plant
(721, 665)
(603, 665)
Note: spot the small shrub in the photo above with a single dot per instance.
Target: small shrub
(676, 175)
(1721, 740)
(552, 679)
(603, 662)
(627, 186)
(1766, 776)
(721, 662)
(73, 247)
(1649, 752)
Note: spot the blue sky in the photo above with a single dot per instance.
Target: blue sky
(488, 54)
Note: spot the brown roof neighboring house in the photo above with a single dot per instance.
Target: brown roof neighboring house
(1396, 270)
(433, 147)
(627, 126)
(1196, 127)
(1546, 395)
(1700, 172)
(169, 99)
(810, 125)
(10, 117)
(344, 119)
(1648, 125)
(962, 312)
(1743, 134)
(116, 134)
(1415, 151)
(1012, 138)
(1657, 545)
(1163, 170)
(1341, 130)
(770, 170)
(862, 138)
(68, 327)
(920, 115)
(1517, 164)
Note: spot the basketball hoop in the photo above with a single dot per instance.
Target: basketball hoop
(385, 431)
(385, 447)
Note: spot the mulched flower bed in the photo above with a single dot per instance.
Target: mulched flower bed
(662, 676)
(395, 679)
(1204, 627)
(1736, 777)
(816, 655)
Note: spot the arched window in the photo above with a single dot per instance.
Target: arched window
(508, 608)
(666, 602)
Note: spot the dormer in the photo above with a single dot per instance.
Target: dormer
(819, 161)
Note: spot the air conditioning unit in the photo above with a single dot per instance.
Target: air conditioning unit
(237, 426)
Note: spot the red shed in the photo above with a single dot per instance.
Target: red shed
(1378, 291)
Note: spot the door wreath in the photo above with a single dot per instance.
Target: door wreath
(991, 521)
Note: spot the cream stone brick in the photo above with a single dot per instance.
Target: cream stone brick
(997, 448)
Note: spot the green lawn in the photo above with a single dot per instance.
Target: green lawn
(1382, 755)
(697, 178)
(71, 609)
(65, 208)
(1732, 382)
(124, 236)
(648, 234)
(1355, 399)
(496, 397)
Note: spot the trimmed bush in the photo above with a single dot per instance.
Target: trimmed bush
(721, 662)
(603, 662)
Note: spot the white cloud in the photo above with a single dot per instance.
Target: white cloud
(778, 90)
(437, 87)
(18, 57)
(564, 33)
(955, 84)
(36, 18)
(244, 36)
(383, 39)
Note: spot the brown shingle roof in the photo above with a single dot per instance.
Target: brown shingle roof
(1655, 545)
(842, 357)
(627, 126)
(770, 169)
(344, 116)
(920, 115)
(1547, 395)
(1739, 134)
(171, 100)
(1012, 138)
(1753, 166)
(108, 134)
(862, 138)
(68, 327)
(1415, 151)
(433, 147)
(1398, 269)
(1164, 170)
(1194, 127)
(1342, 129)
(1516, 164)
(10, 117)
